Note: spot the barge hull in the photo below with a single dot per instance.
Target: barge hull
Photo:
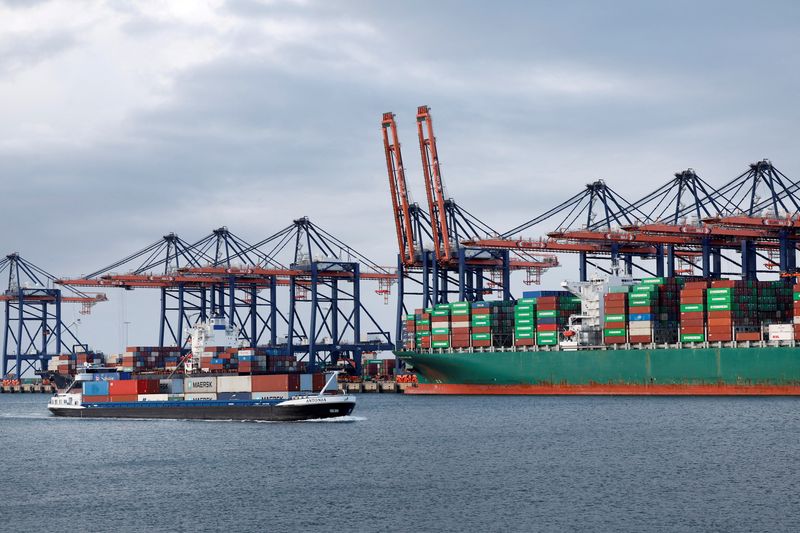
(210, 412)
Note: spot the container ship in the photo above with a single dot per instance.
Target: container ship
(613, 335)
(209, 383)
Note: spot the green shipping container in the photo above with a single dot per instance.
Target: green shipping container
(523, 335)
(693, 337)
(644, 288)
(526, 301)
(481, 336)
(459, 312)
(614, 332)
(440, 331)
(717, 291)
(691, 308)
(796, 296)
(441, 312)
(654, 281)
(546, 313)
(440, 344)
(523, 322)
(615, 318)
(424, 322)
(522, 329)
(719, 307)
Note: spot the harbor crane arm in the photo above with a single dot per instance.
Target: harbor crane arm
(398, 189)
(433, 185)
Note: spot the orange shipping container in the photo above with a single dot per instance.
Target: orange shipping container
(277, 382)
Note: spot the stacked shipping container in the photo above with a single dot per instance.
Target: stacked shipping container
(615, 316)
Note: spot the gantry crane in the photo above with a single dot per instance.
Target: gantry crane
(34, 329)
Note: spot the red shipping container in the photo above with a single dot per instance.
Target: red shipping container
(723, 283)
(440, 337)
(94, 399)
(481, 343)
(614, 325)
(615, 297)
(481, 329)
(482, 311)
(615, 309)
(692, 330)
(719, 337)
(720, 323)
(691, 299)
(641, 338)
(693, 293)
(616, 339)
(524, 342)
(688, 320)
(719, 314)
(275, 382)
(546, 327)
(695, 285)
(125, 397)
(546, 302)
(748, 336)
(439, 319)
(640, 309)
(118, 387)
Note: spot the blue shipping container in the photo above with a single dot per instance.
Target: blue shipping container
(216, 361)
(641, 317)
(106, 376)
(544, 294)
(95, 388)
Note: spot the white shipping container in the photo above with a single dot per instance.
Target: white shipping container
(153, 397)
(203, 384)
(270, 395)
(200, 396)
(796, 319)
(234, 384)
(781, 332)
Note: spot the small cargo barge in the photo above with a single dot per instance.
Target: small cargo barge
(310, 407)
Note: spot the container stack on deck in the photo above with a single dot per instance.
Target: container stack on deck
(440, 326)
(459, 324)
(615, 317)
(796, 310)
(109, 388)
(733, 311)
(423, 328)
(552, 316)
(481, 323)
(693, 311)
(653, 310)
(502, 324)
(525, 322)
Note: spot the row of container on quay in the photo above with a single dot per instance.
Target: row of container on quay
(119, 387)
(655, 310)
(154, 358)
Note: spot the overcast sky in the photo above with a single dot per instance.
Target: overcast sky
(126, 120)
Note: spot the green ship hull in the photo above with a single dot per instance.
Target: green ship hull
(741, 370)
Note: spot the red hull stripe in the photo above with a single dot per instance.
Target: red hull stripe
(609, 390)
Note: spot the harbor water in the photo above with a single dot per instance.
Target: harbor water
(413, 464)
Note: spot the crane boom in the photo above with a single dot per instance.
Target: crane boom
(433, 185)
(398, 189)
